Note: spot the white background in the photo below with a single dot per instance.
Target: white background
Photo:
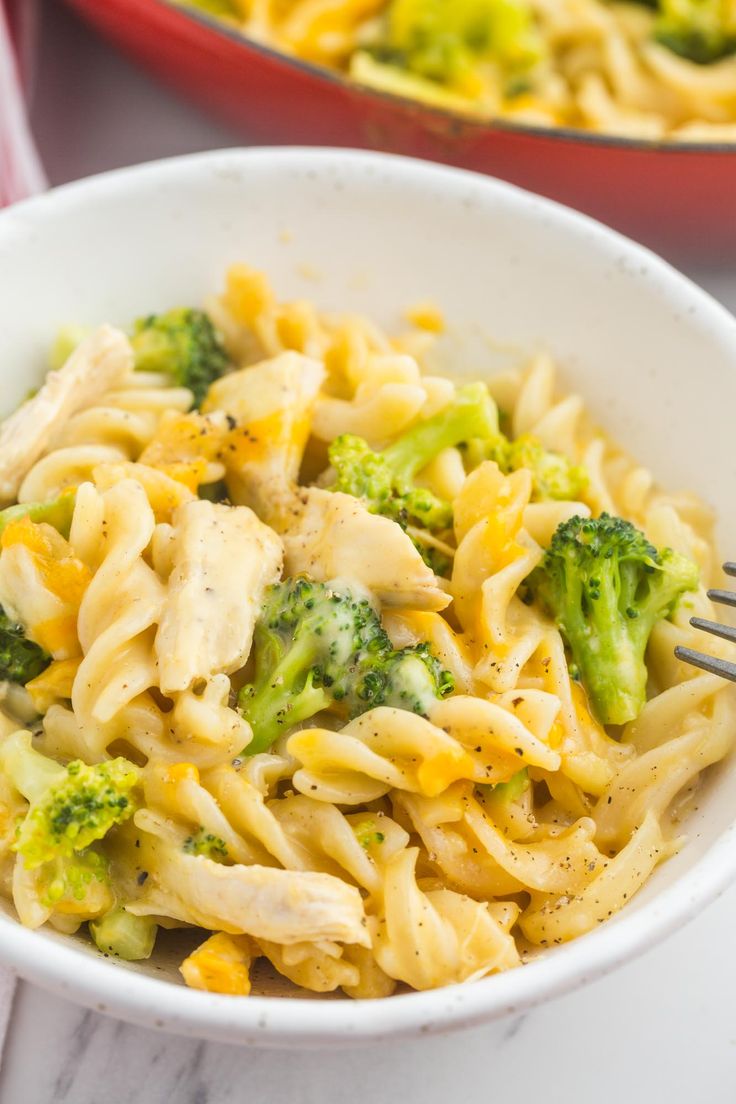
(661, 1029)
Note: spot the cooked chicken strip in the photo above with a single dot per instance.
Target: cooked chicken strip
(332, 536)
(285, 906)
(101, 361)
(222, 560)
(272, 405)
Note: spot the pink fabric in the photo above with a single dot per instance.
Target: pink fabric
(21, 174)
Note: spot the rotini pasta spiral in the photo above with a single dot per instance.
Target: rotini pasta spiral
(122, 604)
(116, 431)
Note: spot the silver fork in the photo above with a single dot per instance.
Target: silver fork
(726, 632)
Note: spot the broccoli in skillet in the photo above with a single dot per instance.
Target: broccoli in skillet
(445, 40)
(702, 31)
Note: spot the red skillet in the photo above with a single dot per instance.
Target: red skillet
(679, 198)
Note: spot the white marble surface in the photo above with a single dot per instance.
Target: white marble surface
(661, 1029)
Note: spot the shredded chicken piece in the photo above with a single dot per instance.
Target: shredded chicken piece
(272, 405)
(100, 362)
(222, 560)
(284, 906)
(331, 535)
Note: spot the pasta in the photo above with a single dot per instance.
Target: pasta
(644, 69)
(320, 709)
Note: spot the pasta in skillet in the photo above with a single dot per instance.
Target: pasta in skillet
(357, 671)
(646, 69)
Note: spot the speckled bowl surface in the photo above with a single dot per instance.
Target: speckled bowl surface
(654, 357)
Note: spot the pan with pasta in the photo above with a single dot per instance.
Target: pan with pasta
(595, 109)
(648, 69)
(348, 670)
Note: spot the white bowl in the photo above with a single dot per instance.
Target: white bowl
(654, 357)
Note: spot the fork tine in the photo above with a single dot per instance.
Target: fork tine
(707, 663)
(726, 632)
(729, 568)
(725, 597)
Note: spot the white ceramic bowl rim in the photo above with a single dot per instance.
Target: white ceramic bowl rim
(270, 1021)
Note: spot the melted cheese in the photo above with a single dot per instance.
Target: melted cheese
(220, 965)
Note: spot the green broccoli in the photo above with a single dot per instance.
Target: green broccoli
(702, 31)
(78, 807)
(222, 9)
(316, 646)
(184, 344)
(606, 587)
(445, 40)
(70, 809)
(511, 790)
(121, 933)
(83, 876)
(57, 512)
(20, 658)
(214, 492)
(385, 480)
(204, 843)
(435, 558)
(553, 476)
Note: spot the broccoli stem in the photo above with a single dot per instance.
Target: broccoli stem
(611, 666)
(471, 414)
(278, 712)
(58, 512)
(606, 587)
(121, 933)
(276, 707)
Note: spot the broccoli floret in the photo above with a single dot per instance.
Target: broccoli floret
(606, 587)
(317, 646)
(184, 344)
(445, 40)
(78, 807)
(702, 31)
(20, 658)
(553, 475)
(204, 843)
(385, 480)
(368, 476)
(121, 933)
(70, 808)
(83, 876)
(57, 512)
